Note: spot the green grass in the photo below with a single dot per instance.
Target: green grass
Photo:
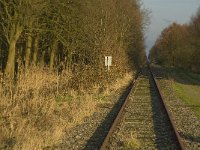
(187, 87)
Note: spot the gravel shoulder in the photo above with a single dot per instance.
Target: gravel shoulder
(187, 121)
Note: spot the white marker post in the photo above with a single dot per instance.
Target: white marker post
(108, 61)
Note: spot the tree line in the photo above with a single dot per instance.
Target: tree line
(72, 35)
(179, 45)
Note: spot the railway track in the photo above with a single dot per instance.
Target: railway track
(143, 121)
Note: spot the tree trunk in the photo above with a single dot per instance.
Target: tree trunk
(52, 56)
(15, 32)
(42, 59)
(35, 53)
(28, 51)
(10, 66)
(1, 57)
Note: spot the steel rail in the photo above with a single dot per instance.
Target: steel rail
(180, 142)
(117, 119)
(105, 143)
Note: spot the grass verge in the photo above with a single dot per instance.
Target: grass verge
(187, 87)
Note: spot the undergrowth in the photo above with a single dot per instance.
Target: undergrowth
(38, 108)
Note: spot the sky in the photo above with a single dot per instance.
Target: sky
(165, 12)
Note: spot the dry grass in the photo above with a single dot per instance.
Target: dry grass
(130, 141)
(31, 115)
(118, 84)
(36, 112)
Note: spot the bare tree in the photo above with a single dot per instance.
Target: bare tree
(16, 15)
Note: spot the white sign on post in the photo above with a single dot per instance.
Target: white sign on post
(108, 61)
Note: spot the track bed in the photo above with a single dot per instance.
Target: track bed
(144, 123)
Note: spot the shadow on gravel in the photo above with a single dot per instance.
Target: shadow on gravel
(99, 135)
(165, 137)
